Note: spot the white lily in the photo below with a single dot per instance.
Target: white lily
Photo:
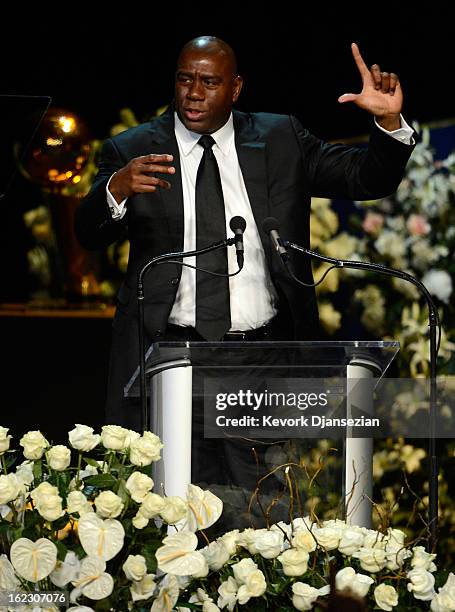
(204, 508)
(100, 538)
(179, 555)
(33, 560)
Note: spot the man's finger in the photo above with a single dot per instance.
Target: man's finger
(153, 185)
(363, 69)
(376, 74)
(393, 83)
(155, 168)
(156, 158)
(385, 85)
(348, 97)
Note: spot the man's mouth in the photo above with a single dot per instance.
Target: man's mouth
(193, 114)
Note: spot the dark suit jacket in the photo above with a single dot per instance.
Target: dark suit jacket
(283, 165)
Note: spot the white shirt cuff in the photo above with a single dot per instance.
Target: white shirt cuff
(403, 134)
(117, 210)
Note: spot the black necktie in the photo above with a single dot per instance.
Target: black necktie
(213, 313)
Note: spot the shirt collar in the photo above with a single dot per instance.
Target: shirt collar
(187, 140)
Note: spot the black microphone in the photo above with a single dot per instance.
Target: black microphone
(271, 226)
(238, 225)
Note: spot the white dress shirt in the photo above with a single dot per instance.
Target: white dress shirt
(253, 297)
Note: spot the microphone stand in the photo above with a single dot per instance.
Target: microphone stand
(433, 325)
(145, 416)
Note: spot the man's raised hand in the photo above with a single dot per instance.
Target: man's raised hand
(381, 93)
(138, 176)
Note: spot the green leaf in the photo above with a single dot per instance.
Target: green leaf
(61, 550)
(38, 469)
(122, 491)
(92, 462)
(101, 481)
(148, 552)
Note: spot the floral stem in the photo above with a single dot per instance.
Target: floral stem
(79, 460)
(5, 469)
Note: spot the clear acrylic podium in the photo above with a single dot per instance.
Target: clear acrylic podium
(182, 375)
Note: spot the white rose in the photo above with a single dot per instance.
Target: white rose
(228, 594)
(77, 502)
(255, 586)
(294, 561)
(243, 568)
(421, 584)
(351, 541)
(247, 539)
(34, 444)
(305, 595)
(216, 554)
(4, 439)
(304, 540)
(175, 509)
(152, 504)
(140, 521)
(24, 472)
(139, 485)
(51, 509)
(108, 504)
(438, 283)
(347, 579)
(43, 491)
(135, 567)
(230, 539)
(47, 501)
(396, 536)
(83, 439)
(132, 435)
(10, 488)
(59, 457)
(423, 560)
(115, 437)
(146, 449)
(327, 537)
(444, 601)
(371, 559)
(143, 589)
(386, 597)
(268, 543)
(396, 555)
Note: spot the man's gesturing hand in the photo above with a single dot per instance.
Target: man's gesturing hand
(381, 93)
(138, 176)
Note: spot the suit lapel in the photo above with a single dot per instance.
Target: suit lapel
(164, 140)
(251, 155)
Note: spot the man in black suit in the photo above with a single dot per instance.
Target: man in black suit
(269, 165)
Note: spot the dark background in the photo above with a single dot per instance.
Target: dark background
(125, 56)
(54, 371)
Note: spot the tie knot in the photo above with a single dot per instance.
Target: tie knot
(206, 141)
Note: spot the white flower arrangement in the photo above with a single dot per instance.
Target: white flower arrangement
(100, 532)
(413, 230)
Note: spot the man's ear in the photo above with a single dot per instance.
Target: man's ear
(238, 82)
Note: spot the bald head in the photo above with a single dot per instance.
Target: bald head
(206, 84)
(212, 45)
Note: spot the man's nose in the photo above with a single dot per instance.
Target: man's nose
(196, 91)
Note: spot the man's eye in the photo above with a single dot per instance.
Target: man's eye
(209, 82)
